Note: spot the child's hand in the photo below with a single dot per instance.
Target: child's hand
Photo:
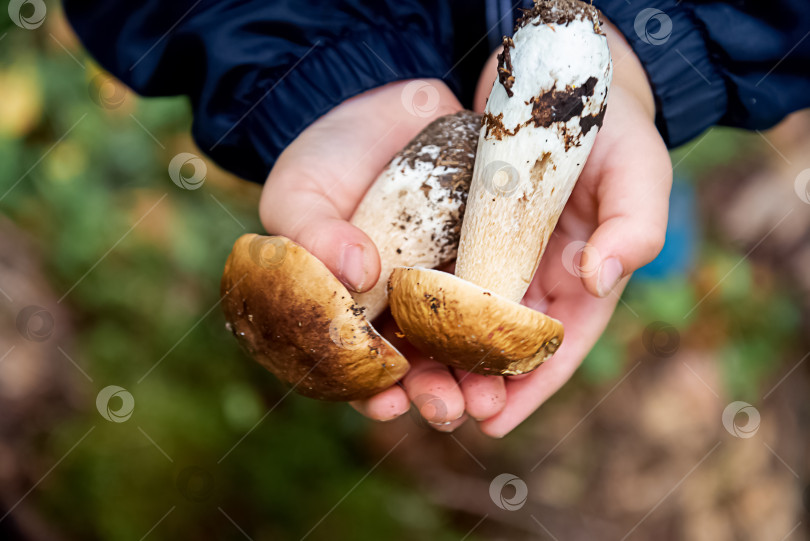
(313, 190)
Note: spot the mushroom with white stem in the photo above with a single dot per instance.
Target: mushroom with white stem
(413, 211)
(540, 123)
(297, 320)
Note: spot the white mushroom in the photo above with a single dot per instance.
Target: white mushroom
(413, 210)
(540, 123)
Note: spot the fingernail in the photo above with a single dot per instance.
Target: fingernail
(352, 266)
(610, 272)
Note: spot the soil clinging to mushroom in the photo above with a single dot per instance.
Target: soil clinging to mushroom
(553, 106)
(505, 76)
(453, 156)
(559, 12)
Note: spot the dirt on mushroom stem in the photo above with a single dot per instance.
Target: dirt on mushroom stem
(539, 126)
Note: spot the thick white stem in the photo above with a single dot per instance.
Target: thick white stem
(541, 121)
(413, 210)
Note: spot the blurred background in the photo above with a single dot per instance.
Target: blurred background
(128, 412)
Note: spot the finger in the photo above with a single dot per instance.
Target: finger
(484, 396)
(310, 218)
(385, 406)
(590, 316)
(450, 426)
(434, 391)
(394, 401)
(633, 207)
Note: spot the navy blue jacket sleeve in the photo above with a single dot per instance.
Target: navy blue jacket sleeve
(259, 71)
(742, 63)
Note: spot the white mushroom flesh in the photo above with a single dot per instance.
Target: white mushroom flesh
(413, 210)
(533, 145)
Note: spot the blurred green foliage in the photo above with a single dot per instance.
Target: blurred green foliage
(139, 261)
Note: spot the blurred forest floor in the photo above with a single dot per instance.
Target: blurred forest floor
(126, 265)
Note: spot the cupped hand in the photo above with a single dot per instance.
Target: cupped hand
(312, 192)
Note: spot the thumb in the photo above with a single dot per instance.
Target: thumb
(633, 199)
(310, 218)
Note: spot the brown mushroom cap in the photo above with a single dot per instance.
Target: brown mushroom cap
(466, 326)
(298, 321)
